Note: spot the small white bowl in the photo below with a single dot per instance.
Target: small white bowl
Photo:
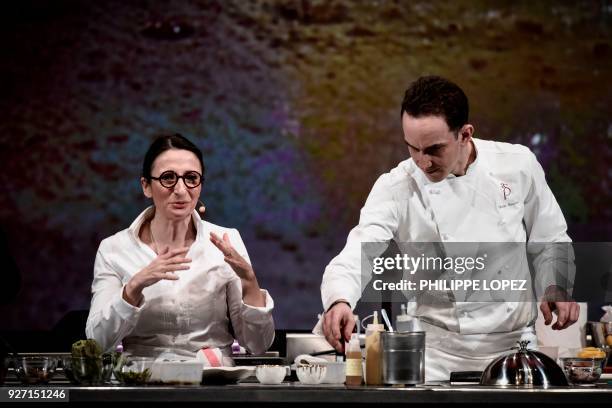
(270, 374)
(311, 373)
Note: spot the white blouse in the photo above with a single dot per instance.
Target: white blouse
(203, 309)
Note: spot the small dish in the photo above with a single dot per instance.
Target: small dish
(271, 374)
(311, 373)
(582, 371)
(35, 369)
(135, 370)
(88, 370)
(226, 375)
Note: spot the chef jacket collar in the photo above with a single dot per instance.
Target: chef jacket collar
(469, 172)
(134, 228)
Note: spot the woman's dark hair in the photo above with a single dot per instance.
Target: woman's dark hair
(434, 95)
(167, 142)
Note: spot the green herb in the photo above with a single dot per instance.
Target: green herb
(86, 348)
(135, 377)
(87, 361)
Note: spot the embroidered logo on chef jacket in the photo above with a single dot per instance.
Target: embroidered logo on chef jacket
(507, 197)
(506, 190)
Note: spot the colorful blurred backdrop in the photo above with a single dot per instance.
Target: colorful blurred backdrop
(296, 106)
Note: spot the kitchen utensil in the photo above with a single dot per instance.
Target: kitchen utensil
(403, 357)
(383, 312)
(465, 377)
(525, 368)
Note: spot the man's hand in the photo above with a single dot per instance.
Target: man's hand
(567, 310)
(338, 323)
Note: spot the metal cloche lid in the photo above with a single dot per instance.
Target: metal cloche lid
(526, 368)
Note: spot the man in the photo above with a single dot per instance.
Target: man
(454, 188)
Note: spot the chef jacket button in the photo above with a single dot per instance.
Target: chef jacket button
(444, 237)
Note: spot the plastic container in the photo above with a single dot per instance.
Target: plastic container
(373, 367)
(354, 367)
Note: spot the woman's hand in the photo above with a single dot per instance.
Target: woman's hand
(162, 268)
(251, 293)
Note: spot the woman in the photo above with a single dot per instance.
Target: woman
(172, 282)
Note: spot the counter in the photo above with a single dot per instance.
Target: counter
(255, 394)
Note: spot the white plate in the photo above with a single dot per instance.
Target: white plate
(216, 375)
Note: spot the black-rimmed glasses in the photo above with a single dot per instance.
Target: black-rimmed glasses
(169, 178)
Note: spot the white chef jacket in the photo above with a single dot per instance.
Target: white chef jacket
(405, 206)
(203, 309)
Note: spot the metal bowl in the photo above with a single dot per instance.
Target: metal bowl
(524, 368)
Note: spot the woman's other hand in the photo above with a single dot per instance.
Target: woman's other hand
(164, 267)
(251, 293)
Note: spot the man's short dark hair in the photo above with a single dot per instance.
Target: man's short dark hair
(434, 95)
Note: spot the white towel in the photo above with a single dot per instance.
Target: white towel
(567, 340)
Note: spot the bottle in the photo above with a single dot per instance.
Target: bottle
(606, 319)
(373, 374)
(354, 369)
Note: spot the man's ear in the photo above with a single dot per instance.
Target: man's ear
(466, 133)
(146, 187)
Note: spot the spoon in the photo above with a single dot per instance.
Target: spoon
(383, 312)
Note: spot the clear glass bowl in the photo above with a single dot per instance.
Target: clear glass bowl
(88, 370)
(35, 369)
(582, 370)
(134, 370)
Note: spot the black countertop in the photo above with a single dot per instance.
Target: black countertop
(257, 394)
